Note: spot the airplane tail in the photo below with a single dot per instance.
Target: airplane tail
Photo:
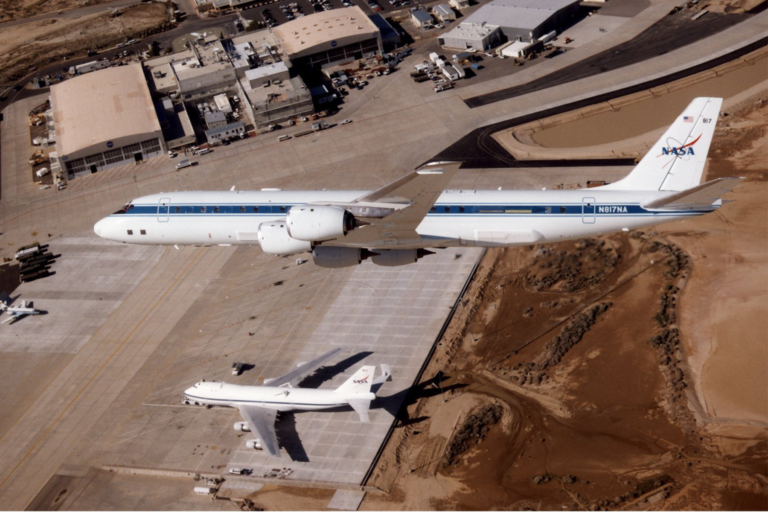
(676, 162)
(357, 391)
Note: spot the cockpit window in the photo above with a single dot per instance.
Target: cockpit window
(124, 209)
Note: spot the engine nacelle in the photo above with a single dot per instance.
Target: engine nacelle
(338, 257)
(253, 444)
(319, 223)
(397, 257)
(274, 239)
(242, 426)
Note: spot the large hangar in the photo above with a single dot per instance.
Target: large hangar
(512, 20)
(329, 37)
(105, 119)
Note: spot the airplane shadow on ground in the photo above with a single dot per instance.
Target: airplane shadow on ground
(396, 405)
(326, 373)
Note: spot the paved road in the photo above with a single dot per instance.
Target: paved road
(479, 150)
(668, 34)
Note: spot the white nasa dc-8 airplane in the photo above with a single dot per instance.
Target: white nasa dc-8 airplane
(395, 224)
(259, 405)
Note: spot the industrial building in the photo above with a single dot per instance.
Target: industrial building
(444, 13)
(459, 4)
(329, 37)
(224, 132)
(105, 119)
(509, 20)
(422, 19)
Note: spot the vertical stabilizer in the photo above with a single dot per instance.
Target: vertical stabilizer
(676, 162)
(357, 391)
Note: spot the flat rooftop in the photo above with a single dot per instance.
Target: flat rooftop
(525, 14)
(323, 27)
(100, 106)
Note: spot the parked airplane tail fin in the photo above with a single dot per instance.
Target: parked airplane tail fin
(359, 383)
(676, 162)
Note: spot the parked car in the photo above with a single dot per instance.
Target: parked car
(346, 121)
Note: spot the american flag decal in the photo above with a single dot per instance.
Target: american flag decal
(687, 119)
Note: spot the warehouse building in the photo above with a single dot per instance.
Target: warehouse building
(524, 20)
(444, 13)
(105, 119)
(329, 37)
(422, 19)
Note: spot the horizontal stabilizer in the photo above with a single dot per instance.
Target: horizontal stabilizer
(697, 198)
(362, 405)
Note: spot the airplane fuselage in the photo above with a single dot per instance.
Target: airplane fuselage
(278, 398)
(458, 218)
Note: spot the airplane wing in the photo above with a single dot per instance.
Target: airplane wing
(410, 199)
(295, 376)
(12, 315)
(262, 423)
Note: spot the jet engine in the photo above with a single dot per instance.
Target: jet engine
(338, 257)
(274, 239)
(397, 257)
(253, 444)
(318, 223)
(242, 426)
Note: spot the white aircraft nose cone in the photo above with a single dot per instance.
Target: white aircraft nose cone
(98, 228)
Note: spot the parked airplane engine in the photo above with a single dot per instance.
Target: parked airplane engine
(318, 223)
(397, 257)
(253, 444)
(274, 239)
(338, 257)
(242, 426)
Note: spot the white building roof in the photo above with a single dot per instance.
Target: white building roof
(101, 106)
(323, 27)
(523, 14)
(443, 10)
(266, 71)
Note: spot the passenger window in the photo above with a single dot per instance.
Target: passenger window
(282, 209)
(548, 209)
(202, 209)
(433, 209)
(447, 209)
(215, 209)
(255, 209)
(242, 209)
(562, 209)
(143, 231)
(461, 209)
(130, 231)
(178, 209)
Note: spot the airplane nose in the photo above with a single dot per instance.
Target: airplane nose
(99, 228)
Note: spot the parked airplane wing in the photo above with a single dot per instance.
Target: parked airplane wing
(295, 376)
(262, 423)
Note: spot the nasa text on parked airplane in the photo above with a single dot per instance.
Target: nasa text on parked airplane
(396, 223)
(259, 405)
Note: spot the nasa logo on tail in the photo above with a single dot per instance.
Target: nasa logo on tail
(679, 149)
(364, 380)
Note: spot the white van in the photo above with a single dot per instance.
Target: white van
(283, 137)
(203, 151)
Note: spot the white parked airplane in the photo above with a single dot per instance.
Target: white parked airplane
(396, 223)
(259, 405)
(15, 312)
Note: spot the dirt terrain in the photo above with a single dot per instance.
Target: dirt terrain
(17, 9)
(602, 356)
(39, 43)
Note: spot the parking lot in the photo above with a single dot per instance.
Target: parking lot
(276, 12)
